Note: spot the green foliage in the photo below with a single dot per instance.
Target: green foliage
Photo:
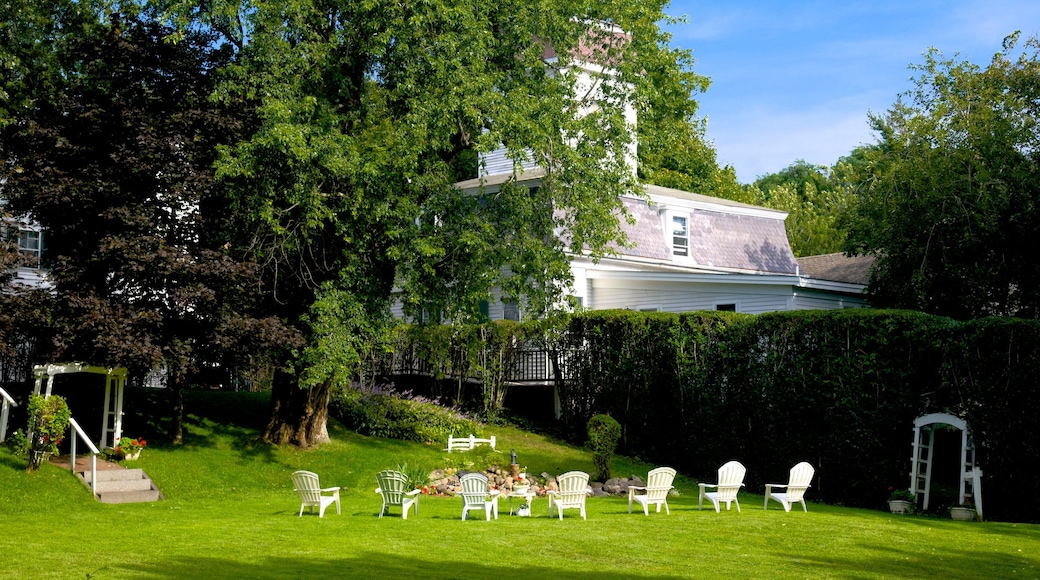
(815, 201)
(604, 434)
(480, 458)
(382, 413)
(48, 421)
(485, 352)
(947, 199)
(902, 495)
(416, 476)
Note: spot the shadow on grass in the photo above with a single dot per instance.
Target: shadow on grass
(991, 527)
(15, 463)
(209, 416)
(366, 565)
(942, 561)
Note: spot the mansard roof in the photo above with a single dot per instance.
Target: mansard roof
(725, 235)
(719, 236)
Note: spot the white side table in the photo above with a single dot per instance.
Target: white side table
(528, 499)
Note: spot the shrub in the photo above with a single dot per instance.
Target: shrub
(604, 434)
(481, 458)
(382, 412)
(48, 420)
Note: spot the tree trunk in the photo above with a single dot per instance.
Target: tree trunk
(176, 374)
(178, 413)
(298, 416)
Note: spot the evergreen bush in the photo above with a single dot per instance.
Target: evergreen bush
(604, 434)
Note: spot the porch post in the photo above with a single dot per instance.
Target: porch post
(106, 412)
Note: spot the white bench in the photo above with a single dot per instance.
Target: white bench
(468, 443)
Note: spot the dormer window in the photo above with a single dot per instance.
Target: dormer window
(680, 237)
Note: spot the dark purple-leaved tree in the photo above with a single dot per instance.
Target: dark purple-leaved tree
(116, 164)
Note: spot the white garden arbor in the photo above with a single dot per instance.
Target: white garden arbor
(115, 381)
(922, 460)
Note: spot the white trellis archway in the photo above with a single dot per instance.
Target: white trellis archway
(115, 381)
(921, 471)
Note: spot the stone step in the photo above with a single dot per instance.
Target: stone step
(129, 496)
(124, 485)
(113, 475)
(115, 483)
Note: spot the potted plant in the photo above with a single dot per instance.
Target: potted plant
(521, 485)
(130, 449)
(901, 501)
(965, 511)
(524, 510)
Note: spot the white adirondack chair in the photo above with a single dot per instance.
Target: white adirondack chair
(392, 486)
(574, 488)
(311, 493)
(794, 491)
(658, 484)
(475, 495)
(731, 479)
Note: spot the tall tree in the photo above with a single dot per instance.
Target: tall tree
(948, 199)
(366, 113)
(116, 165)
(814, 199)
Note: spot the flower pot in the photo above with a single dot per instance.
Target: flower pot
(132, 456)
(523, 511)
(898, 506)
(520, 489)
(963, 514)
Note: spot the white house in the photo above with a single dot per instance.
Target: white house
(693, 252)
(29, 237)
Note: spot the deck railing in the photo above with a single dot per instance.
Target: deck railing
(532, 365)
(93, 454)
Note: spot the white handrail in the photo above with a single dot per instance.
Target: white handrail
(4, 412)
(93, 454)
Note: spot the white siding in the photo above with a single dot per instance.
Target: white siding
(819, 301)
(497, 162)
(687, 297)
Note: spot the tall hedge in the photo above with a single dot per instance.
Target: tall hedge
(839, 389)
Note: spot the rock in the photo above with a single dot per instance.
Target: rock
(437, 474)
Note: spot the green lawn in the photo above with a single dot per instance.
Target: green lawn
(230, 512)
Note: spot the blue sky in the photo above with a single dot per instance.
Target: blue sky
(795, 80)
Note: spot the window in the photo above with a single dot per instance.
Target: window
(680, 237)
(29, 241)
(729, 307)
(511, 311)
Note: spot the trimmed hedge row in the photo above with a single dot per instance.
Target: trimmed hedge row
(839, 389)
